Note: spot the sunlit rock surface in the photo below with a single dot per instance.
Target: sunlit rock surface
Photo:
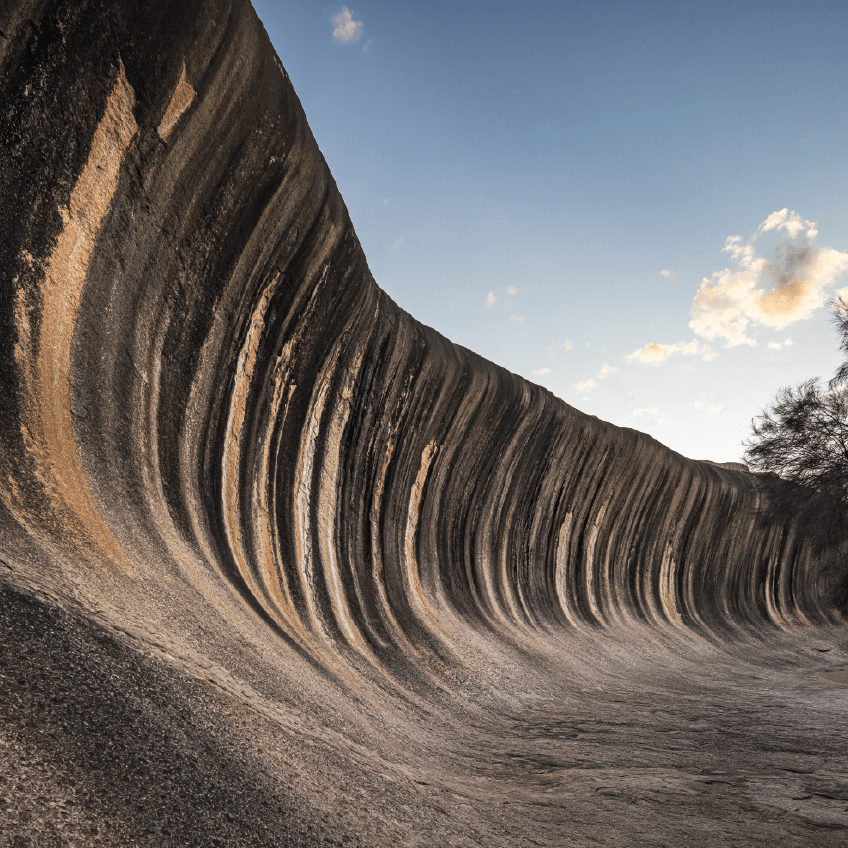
(280, 565)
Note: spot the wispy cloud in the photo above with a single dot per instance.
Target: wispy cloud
(491, 300)
(670, 273)
(779, 345)
(516, 317)
(591, 383)
(345, 29)
(367, 45)
(512, 291)
(713, 410)
(638, 413)
(770, 292)
(568, 345)
(396, 244)
(542, 371)
(606, 371)
(654, 354)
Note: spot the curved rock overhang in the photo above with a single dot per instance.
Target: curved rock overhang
(219, 436)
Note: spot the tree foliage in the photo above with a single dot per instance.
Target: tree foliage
(802, 437)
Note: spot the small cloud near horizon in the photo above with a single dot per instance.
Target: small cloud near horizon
(512, 291)
(567, 345)
(779, 345)
(654, 354)
(542, 371)
(346, 30)
(491, 300)
(670, 273)
(586, 385)
(606, 371)
(713, 410)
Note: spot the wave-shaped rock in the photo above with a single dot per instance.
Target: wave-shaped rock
(262, 528)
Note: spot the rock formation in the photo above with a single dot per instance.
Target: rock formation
(280, 565)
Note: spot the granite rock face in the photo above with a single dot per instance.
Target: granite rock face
(417, 598)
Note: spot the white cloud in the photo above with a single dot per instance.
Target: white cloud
(543, 371)
(769, 292)
(512, 291)
(345, 29)
(568, 346)
(715, 410)
(516, 317)
(606, 371)
(638, 413)
(396, 244)
(654, 354)
(778, 345)
(367, 45)
(491, 300)
(792, 222)
(586, 386)
(669, 272)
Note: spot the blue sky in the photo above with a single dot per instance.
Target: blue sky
(592, 194)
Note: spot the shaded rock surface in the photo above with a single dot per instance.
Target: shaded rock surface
(280, 565)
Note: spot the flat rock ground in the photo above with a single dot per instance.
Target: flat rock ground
(105, 740)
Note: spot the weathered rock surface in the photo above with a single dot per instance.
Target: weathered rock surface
(280, 565)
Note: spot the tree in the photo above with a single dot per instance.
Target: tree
(803, 435)
(803, 438)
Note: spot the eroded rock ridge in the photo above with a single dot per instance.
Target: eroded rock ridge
(218, 435)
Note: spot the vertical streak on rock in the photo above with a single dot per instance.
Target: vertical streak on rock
(231, 485)
(181, 99)
(267, 547)
(591, 581)
(304, 500)
(415, 593)
(315, 512)
(563, 583)
(49, 432)
(668, 593)
(328, 513)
